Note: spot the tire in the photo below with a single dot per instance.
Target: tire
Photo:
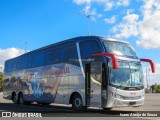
(107, 109)
(14, 98)
(77, 103)
(20, 99)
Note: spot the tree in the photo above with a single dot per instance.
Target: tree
(1, 81)
(156, 88)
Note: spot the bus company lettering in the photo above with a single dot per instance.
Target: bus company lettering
(57, 70)
(65, 70)
(22, 115)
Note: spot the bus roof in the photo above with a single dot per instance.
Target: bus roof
(75, 39)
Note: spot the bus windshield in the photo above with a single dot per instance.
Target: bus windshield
(128, 74)
(119, 48)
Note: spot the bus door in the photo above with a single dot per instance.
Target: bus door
(93, 73)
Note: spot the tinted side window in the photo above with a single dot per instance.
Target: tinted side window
(46, 58)
(18, 64)
(88, 48)
(37, 59)
(70, 53)
(28, 61)
(6, 66)
(9, 66)
(14, 64)
(52, 56)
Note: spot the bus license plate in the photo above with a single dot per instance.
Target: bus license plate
(132, 103)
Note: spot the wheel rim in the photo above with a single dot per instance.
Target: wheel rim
(78, 102)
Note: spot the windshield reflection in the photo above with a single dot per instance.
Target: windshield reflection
(128, 74)
(119, 48)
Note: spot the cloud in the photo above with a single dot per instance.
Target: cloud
(149, 27)
(9, 53)
(92, 13)
(123, 3)
(82, 1)
(128, 27)
(111, 20)
(108, 4)
(146, 30)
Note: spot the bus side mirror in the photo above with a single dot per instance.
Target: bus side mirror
(111, 55)
(151, 63)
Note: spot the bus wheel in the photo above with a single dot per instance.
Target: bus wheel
(77, 103)
(107, 109)
(20, 99)
(14, 98)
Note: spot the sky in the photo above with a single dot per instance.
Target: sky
(26, 25)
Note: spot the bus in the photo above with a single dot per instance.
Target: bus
(86, 71)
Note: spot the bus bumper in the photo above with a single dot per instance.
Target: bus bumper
(116, 102)
(119, 102)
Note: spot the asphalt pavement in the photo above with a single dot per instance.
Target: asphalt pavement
(59, 112)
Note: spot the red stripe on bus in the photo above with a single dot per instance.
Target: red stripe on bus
(56, 91)
(55, 82)
(54, 85)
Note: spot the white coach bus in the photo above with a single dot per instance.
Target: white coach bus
(88, 71)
